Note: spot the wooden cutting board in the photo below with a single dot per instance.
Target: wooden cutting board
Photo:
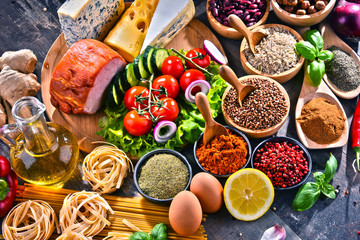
(84, 127)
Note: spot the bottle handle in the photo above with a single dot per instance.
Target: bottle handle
(9, 128)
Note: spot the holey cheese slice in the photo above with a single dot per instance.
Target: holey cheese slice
(81, 19)
(129, 33)
(169, 18)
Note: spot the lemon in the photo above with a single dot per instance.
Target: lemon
(248, 194)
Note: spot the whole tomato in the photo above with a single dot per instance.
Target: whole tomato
(199, 56)
(190, 76)
(169, 83)
(136, 124)
(135, 97)
(169, 110)
(173, 66)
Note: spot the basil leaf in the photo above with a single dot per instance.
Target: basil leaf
(316, 70)
(319, 178)
(330, 169)
(326, 55)
(307, 195)
(139, 236)
(315, 38)
(328, 190)
(306, 49)
(159, 232)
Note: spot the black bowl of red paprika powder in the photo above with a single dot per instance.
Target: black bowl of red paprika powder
(284, 160)
(223, 156)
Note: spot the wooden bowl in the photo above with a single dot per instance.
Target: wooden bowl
(230, 32)
(302, 20)
(257, 133)
(280, 77)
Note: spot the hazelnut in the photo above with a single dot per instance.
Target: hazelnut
(311, 10)
(301, 12)
(320, 5)
(292, 3)
(305, 5)
(289, 9)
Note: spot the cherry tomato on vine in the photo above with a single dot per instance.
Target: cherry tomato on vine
(173, 66)
(169, 83)
(136, 124)
(169, 110)
(201, 58)
(190, 76)
(136, 96)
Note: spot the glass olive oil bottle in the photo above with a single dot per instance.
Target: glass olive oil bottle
(43, 153)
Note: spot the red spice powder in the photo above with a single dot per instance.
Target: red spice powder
(223, 155)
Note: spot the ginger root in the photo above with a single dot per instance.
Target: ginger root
(2, 115)
(14, 85)
(23, 60)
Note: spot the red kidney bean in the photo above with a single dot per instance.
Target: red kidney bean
(221, 9)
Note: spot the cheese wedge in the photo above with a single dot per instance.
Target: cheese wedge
(169, 18)
(128, 35)
(81, 19)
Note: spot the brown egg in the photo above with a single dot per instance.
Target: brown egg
(185, 213)
(208, 190)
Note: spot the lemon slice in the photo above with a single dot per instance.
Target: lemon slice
(248, 194)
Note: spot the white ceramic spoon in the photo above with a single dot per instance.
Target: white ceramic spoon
(309, 92)
(331, 39)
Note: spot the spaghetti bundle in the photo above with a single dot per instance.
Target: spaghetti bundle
(105, 168)
(30, 220)
(84, 212)
(70, 235)
(136, 210)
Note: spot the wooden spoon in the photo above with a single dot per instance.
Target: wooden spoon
(242, 89)
(309, 92)
(212, 128)
(253, 38)
(331, 39)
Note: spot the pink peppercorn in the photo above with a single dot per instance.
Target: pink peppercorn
(283, 162)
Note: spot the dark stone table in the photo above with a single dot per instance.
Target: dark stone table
(35, 25)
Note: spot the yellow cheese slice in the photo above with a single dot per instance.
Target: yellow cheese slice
(129, 33)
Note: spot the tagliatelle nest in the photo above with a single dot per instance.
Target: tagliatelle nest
(105, 168)
(70, 235)
(84, 212)
(30, 220)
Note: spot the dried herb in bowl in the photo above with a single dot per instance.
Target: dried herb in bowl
(163, 176)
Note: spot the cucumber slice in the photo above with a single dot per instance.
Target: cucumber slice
(147, 58)
(139, 68)
(112, 96)
(130, 75)
(124, 84)
(157, 58)
(117, 84)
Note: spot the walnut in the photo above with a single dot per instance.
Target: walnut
(320, 5)
(311, 10)
(301, 12)
(305, 5)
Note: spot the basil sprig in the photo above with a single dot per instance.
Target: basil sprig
(159, 232)
(310, 192)
(312, 50)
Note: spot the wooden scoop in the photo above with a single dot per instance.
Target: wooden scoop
(253, 38)
(331, 39)
(242, 89)
(212, 128)
(309, 92)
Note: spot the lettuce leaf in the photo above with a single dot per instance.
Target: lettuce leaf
(190, 122)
